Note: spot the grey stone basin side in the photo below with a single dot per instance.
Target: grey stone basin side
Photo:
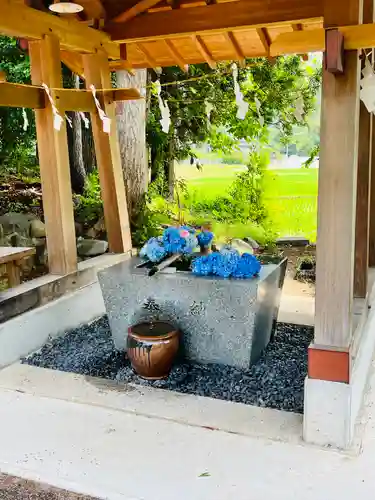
(224, 321)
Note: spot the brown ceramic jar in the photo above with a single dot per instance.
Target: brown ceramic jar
(151, 348)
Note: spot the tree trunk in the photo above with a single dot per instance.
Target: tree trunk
(131, 124)
(169, 171)
(88, 149)
(77, 168)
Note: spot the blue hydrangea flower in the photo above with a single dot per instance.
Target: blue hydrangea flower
(175, 240)
(153, 250)
(247, 266)
(202, 265)
(205, 238)
(226, 264)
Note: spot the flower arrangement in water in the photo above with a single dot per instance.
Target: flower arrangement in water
(227, 262)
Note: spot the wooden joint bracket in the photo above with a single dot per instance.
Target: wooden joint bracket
(334, 51)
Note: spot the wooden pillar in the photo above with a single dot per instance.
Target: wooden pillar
(54, 162)
(336, 207)
(371, 256)
(107, 150)
(363, 186)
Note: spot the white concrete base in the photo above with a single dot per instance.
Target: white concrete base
(327, 413)
(332, 409)
(30, 331)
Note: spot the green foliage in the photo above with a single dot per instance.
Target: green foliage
(277, 86)
(17, 146)
(243, 203)
(233, 158)
(89, 205)
(314, 153)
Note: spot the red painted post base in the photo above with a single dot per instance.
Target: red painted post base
(331, 365)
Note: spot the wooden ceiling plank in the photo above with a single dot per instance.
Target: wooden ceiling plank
(232, 41)
(24, 22)
(176, 56)
(138, 8)
(299, 27)
(202, 48)
(214, 18)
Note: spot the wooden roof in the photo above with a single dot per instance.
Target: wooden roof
(156, 33)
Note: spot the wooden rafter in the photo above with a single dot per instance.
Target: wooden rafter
(149, 57)
(299, 27)
(138, 8)
(265, 39)
(73, 61)
(232, 41)
(24, 22)
(176, 56)
(202, 48)
(214, 18)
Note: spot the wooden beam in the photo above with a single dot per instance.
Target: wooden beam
(24, 22)
(21, 96)
(122, 94)
(355, 37)
(108, 159)
(54, 162)
(232, 41)
(73, 61)
(202, 48)
(214, 18)
(265, 39)
(299, 27)
(337, 191)
(176, 56)
(139, 7)
(29, 96)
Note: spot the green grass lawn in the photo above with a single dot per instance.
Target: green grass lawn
(290, 195)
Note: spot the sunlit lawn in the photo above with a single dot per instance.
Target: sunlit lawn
(290, 195)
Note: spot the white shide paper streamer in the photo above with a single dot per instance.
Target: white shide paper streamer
(165, 120)
(57, 118)
(242, 106)
(104, 118)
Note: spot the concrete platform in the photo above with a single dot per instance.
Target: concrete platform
(91, 439)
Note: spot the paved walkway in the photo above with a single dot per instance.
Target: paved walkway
(116, 454)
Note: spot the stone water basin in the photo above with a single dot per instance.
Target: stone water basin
(225, 321)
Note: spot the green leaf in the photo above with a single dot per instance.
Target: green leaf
(204, 474)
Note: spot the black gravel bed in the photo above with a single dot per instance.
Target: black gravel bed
(276, 381)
